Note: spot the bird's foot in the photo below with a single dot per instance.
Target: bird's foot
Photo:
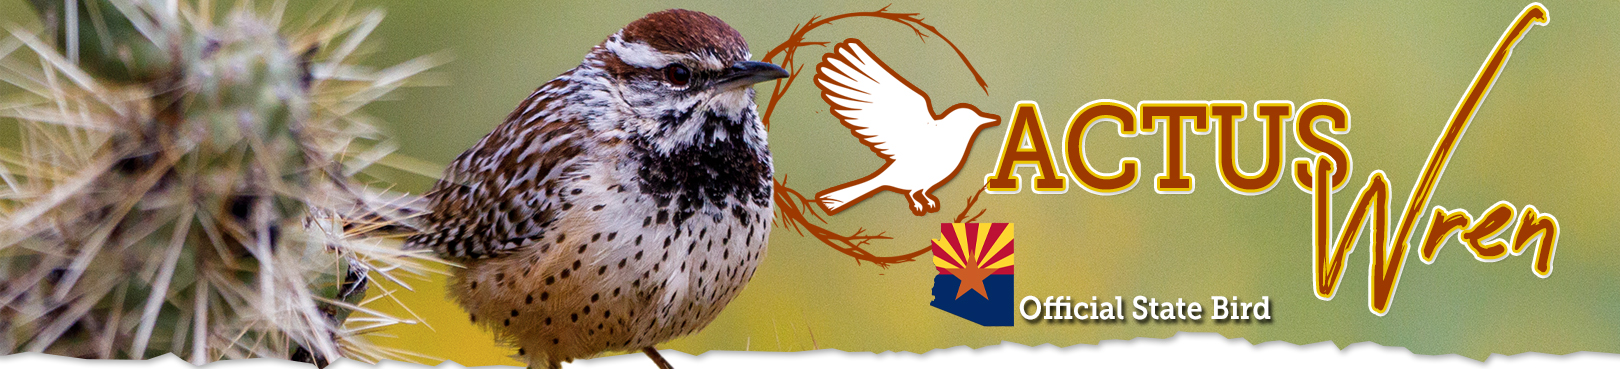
(652, 353)
(933, 203)
(918, 209)
(922, 203)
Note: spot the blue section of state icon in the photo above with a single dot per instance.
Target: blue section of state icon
(994, 311)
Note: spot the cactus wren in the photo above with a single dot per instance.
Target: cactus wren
(623, 204)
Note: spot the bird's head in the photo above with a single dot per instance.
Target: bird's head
(968, 116)
(683, 77)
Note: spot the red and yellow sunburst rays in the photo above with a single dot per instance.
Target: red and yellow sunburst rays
(973, 251)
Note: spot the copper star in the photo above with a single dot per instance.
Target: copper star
(972, 280)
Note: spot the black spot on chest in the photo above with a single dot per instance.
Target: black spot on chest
(708, 171)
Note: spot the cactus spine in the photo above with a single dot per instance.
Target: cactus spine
(183, 185)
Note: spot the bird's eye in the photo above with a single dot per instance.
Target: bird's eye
(677, 75)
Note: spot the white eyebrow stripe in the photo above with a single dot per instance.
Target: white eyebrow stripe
(638, 54)
(641, 55)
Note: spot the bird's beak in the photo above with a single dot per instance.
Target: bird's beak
(746, 73)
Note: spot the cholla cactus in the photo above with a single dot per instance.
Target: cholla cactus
(183, 185)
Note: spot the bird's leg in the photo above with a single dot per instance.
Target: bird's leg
(652, 353)
(545, 364)
(932, 203)
(539, 361)
(917, 202)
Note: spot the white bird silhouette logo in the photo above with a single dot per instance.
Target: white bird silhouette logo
(921, 150)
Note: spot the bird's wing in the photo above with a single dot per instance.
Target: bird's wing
(879, 107)
(499, 196)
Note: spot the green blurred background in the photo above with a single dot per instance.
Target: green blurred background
(1544, 136)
